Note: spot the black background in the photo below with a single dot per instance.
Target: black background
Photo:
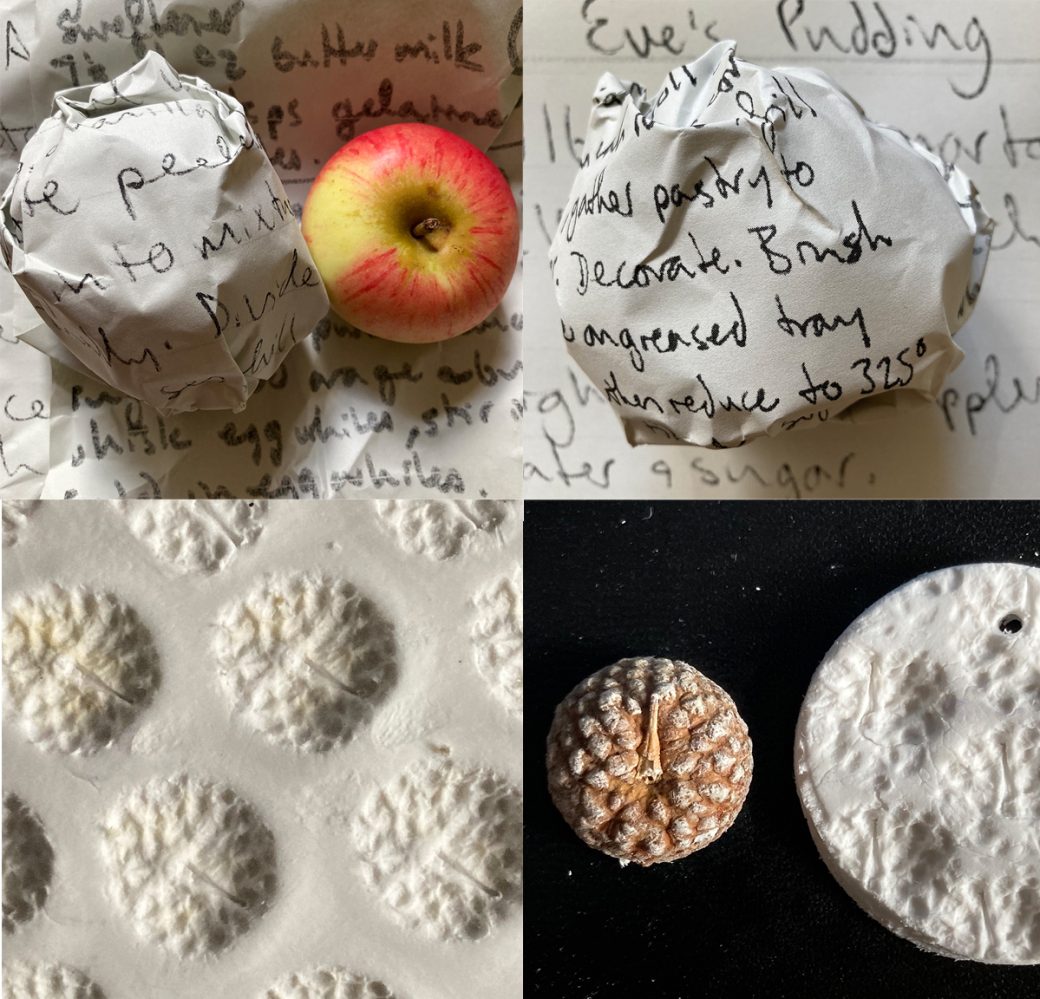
(753, 594)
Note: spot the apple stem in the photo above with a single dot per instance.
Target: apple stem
(420, 229)
(431, 231)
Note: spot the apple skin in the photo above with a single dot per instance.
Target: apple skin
(359, 218)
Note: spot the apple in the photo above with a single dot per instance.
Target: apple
(414, 232)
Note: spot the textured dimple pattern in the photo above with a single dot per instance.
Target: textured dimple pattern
(192, 865)
(79, 667)
(47, 981)
(498, 639)
(304, 658)
(200, 536)
(918, 762)
(261, 699)
(441, 846)
(327, 983)
(28, 863)
(441, 530)
(648, 760)
(16, 514)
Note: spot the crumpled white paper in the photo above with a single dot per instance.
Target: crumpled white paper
(150, 231)
(744, 252)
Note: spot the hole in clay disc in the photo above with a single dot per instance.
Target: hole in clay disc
(1011, 624)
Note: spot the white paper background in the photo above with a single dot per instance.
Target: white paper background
(323, 912)
(980, 439)
(448, 415)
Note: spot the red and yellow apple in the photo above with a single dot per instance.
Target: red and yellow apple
(414, 232)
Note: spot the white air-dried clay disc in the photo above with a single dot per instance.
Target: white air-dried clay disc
(917, 759)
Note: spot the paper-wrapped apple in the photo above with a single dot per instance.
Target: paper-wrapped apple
(745, 252)
(149, 230)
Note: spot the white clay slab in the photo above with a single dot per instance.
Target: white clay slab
(262, 751)
(917, 760)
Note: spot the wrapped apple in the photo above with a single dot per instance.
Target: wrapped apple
(744, 252)
(152, 235)
(414, 231)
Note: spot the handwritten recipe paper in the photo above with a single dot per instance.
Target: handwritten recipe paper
(345, 414)
(952, 77)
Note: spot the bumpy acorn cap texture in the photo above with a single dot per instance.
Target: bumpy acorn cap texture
(648, 760)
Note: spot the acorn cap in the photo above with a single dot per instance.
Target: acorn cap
(648, 760)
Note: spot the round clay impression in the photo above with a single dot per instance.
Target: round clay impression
(191, 864)
(47, 981)
(648, 760)
(498, 638)
(28, 863)
(440, 529)
(327, 983)
(196, 536)
(15, 515)
(917, 760)
(304, 659)
(79, 667)
(441, 846)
